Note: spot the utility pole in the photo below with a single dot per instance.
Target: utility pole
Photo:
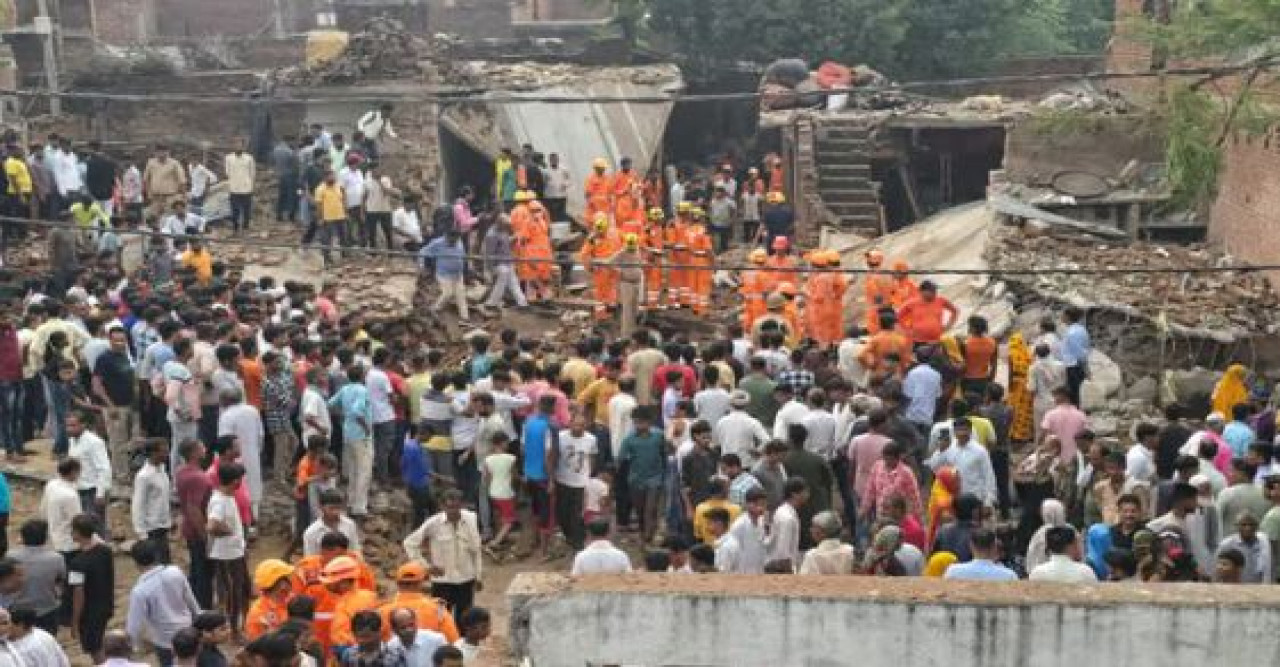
(44, 27)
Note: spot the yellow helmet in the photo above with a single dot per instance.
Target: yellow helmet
(599, 163)
(834, 258)
(631, 240)
(602, 221)
(269, 572)
(817, 257)
(684, 206)
(758, 256)
(523, 196)
(698, 213)
(655, 213)
(775, 198)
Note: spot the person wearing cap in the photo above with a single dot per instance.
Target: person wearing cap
(429, 613)
(904, 288)
(779, 219)
(601, 245)
(780, 264)
(701, 255)
(651, 239)
(630, 275)
(339, 578)
(877, 290)
(1214, 426)
(674, 240)
(276, 585)
(791, 312)
(753, 289)
(628, 205)
(824, 299)
(774, 319)
(307, 571)
(738, 432)
(598, 190)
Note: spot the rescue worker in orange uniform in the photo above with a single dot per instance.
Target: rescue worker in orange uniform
(791, 313)
(904, 288)
(824, 300)
(652, 244)
(276, 586)
(701, 254)
(887, 341)
(877, 290)
(308, 573)
(679, 283)
(532, 241)
(779, 264)
(600, 246)
(521, 227)
(628, 207)
(775, 316)
(339, 578)
(777, 177)
(653, 190)
(598, 190)
(430, 612)
(753, 289)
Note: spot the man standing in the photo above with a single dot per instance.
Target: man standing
(722, 212)
(352, 402)
(644, 454)
(182, 395)
(160, 604)
(92, 580)
(928, 316)
(330, 210)
(60, 504)
(164, 181)
(194, 488)
(970, 459)
(449, 544)
(381, 399)
(751, 530)
(1076, 346)
(449, 257)
(94, 484)
(419, 644)
(100, 177)
(1062, 566)
(574, 463)
(243, 421)
(498, 255)
(600, 556)
(150, 509)
(983, 543)
(738, 432)
(114, 384)
(558, 180)
(630, 270)
(279, 400)
(783, 542)
(288, 168)
(43, 573)
(241, 172)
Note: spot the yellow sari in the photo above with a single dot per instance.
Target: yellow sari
(938, 564)
(1230, 390)
(1020, 398)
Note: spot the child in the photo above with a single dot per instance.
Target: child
(436, 409)
(671, 396)
(227, 545)
(597, 503)
(325, 479)
(497, 474)
(214, 631)
(475, 623)
(308, 467)
(415, 470)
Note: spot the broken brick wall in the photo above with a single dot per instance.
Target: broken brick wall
(1242, 218)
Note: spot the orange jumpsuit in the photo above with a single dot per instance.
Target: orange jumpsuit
(599, 247)
(824, 301)
(429, 611)
(904, 290)
(678, 290)
(652, 193)
(774, 277)
(521, 227)
(652, 243)
(626, 198)
(792, 314)
(307, 570)
(537, 245)
(777, 177)
(346, 606)
(878, 292)
(880, 345)
(701, 253)
(753, 296)
(598, 193)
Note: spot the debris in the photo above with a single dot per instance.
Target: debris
(984, 103)
(1019, 210)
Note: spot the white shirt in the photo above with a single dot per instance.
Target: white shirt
(406, 223)
(822, 433)
(454, 547)
(751, 543)
(373, 124)
(201, 179)
(711, 404)
(848, 364)
(95, 464)
(573, 466)
(245, 423)
(241, 171)
(315, 533)
(828, 557)
(784, 535)
(793, 412)
(740, 433)
(352, 182)
(379, 386)
(600, 557)
(315, 407)
(222, 507)
(595, 493)
(974, 465)
(40, 648)
(1139, 464)
(728, 554)
(558, 182)
(59, 505)
(420, 651)
(150, 508)
(620, 408)
(1062, 569)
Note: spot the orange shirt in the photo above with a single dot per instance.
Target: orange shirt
(306, 470)
(430, 612)
(597, 187)
(308, 572)
(251, 371)
(926, 318)
(355, 601)
(881, 344)
(979, 357)
(265, 615)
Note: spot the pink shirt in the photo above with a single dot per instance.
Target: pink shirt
(534, 390)
(864, 454)
(884, 483)
(1066, 422)
(462, 216)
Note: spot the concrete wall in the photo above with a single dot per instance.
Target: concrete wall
(1242, 221)
(1036, 150)
(712, 620)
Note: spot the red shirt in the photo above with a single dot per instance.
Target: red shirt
(688, 387)
(399, 389)
(10, 356)
(193, 488)
(912, 531)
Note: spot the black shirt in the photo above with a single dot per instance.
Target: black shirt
(697, 468)
(94, 570)
(118, 376)
(100, 177)
(1170, 439)
(210, 656)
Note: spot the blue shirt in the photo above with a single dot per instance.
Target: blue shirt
(1075, 346)
(353, 401)
(923, 387)
(415, 465)
(450, 258)
(644, 453)
(537, 429)
(980, 570)
(6, 503)
(1239, 436)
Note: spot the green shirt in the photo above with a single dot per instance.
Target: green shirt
(762, 406)
(813, 469)
(1270, 525)
(646, 454)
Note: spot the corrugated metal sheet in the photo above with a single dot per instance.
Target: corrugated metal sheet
(579, 131)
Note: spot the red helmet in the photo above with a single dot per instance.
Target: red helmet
(781, 243)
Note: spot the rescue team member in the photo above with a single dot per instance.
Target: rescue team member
(885, 342)
(701, 255)
(877, 290)
(775, 316)
(628, 207)
(430, 612)
(601, 246)
(340, 580)
(531, 230)
(904, 288)
(780, 264)
(598, 190)
(309, 571)
(791, 312)
(824, 299)
(928, 315)
(679, 293)
(276, 586)
(652, 248)
(753, 289)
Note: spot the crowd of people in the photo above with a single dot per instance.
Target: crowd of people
(787, 443)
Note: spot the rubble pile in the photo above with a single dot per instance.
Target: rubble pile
(381, 49)
(1231, 302)
(534, 75)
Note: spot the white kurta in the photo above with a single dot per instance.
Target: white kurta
(244, 422)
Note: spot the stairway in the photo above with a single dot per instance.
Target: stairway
(844, 148)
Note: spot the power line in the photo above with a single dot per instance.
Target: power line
(481, 95)
(715, 266)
